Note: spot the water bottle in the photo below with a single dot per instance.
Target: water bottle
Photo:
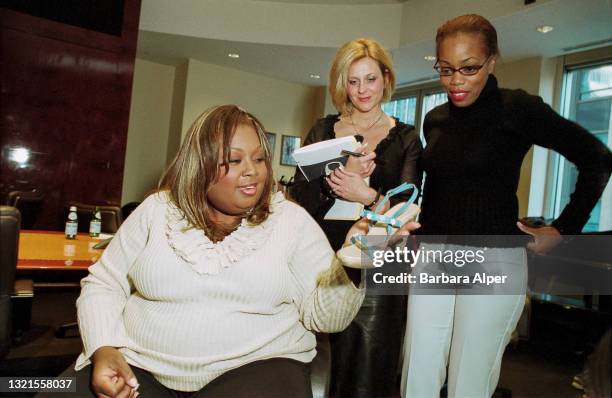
(95, 225)
(72, 224)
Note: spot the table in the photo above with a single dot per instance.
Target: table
(50, 250)
(46, 259)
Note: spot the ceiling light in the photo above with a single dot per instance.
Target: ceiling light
(429, 58)
(233, 55)
(544, 28)
(313, 76)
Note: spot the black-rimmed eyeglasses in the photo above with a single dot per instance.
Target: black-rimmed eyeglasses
(468, 70)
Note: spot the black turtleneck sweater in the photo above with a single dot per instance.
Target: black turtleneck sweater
(473, 158)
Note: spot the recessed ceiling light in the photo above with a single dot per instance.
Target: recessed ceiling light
(233, 55)
(544, 28)
(313, 76)
(429, 58)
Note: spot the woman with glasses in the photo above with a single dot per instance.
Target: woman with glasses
(364, 356)
(475, 145)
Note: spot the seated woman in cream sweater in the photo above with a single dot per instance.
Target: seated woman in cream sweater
(213, 285)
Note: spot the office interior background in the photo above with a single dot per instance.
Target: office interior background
(285, 49)
(126, 114)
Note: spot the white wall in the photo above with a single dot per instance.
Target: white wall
(166, 100)
(282, 107)
(274, 22)
(178, 108)
(420, 18)
(524, 74)
(147, 141)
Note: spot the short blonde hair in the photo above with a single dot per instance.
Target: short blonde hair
(350, 52)
(197, 166)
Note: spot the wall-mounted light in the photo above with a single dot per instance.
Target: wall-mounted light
(429, 58)
(233, 55)
(544, 28)
(19, 155)
(313, 76)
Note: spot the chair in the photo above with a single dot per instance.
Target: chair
(128, 208)
(111, 220)
(111, 216)
(320, 368)
(569, 287)
(10, 290)
(29, 204)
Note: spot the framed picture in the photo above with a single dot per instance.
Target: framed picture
(289, 144)
(271, 143)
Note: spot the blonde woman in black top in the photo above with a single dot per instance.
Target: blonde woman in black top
(364, 356)
(475, 146)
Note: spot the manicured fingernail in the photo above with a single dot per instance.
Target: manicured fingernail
(133, 382)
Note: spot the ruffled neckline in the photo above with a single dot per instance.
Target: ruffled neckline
(207, 257)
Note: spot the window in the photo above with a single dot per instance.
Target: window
(404, 109)
(586, 99)
(430, 101)
(411, 106)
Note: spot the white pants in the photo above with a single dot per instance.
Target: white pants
(466, 332)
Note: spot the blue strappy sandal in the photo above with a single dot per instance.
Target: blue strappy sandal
(360, 253)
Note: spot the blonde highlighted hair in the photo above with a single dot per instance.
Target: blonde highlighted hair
(350, 52)
(197, 166)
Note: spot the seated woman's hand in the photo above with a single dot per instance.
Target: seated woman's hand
(361, 227)
(111, 375)
(405, 230)
(362, 165)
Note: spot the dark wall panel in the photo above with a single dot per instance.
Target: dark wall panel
(65, 99)
(102, 16)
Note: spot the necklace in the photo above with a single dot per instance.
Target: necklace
(370, 126)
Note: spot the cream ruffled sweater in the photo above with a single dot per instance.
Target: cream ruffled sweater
(188, 310)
